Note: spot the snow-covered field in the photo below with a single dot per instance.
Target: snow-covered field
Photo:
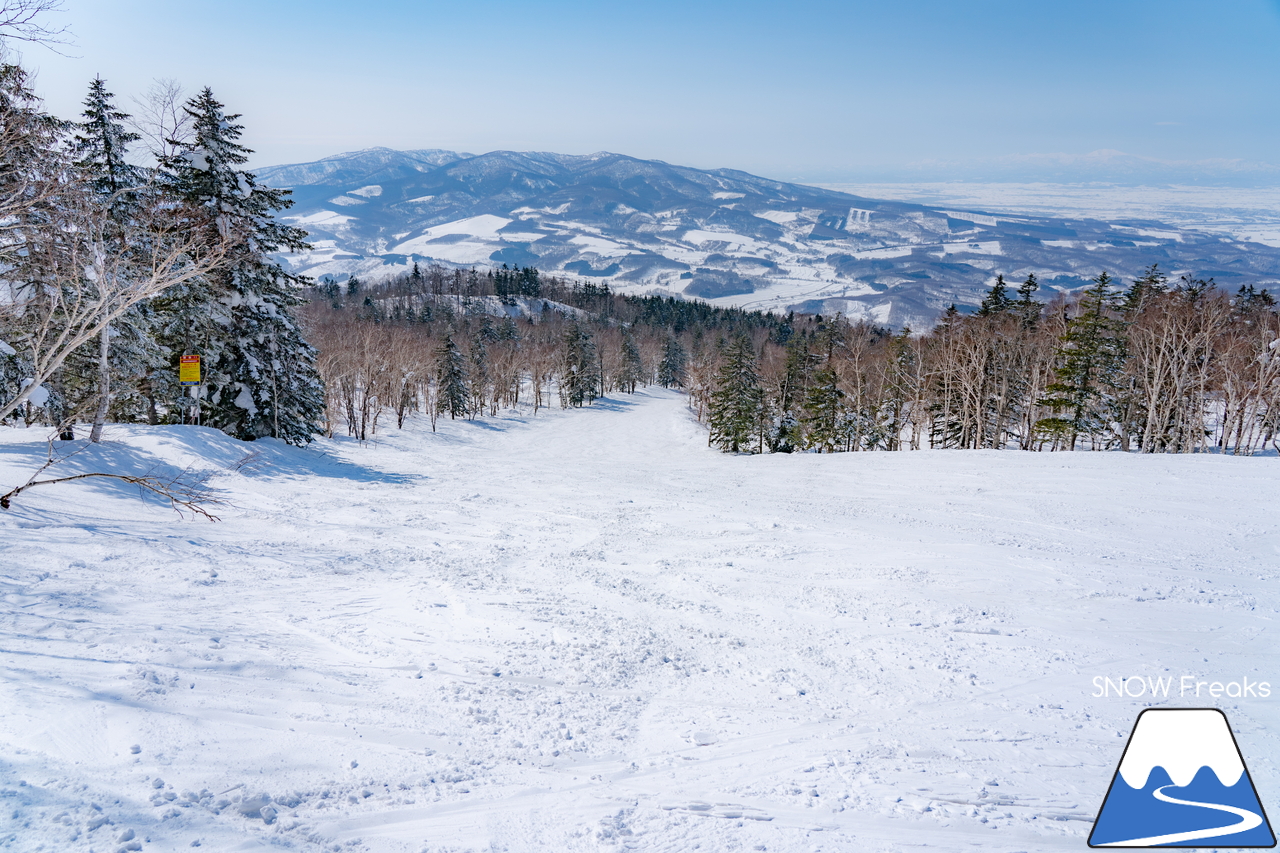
(1244, 213)
(587, 631)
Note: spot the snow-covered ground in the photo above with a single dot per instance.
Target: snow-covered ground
(587, 631)
(1244, 213)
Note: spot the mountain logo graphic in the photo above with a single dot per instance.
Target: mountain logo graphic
(1182, 783)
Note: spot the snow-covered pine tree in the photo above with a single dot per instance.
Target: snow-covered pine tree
(127, 349)
(997, 300)
(260, 376)
(671, 369)
(580, 370)
(1090, 357)
(899, 391)
(632, 372)
(61, 282)
(1027, 290)
(451, 380)
(824, 418)
(785, 432)
(1146, 287)
(32, 180)
(478, 369)
(101, 149)
(737, 403)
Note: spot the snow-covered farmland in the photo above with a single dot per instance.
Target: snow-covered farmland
(585, 630)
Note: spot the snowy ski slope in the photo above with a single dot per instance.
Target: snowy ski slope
(587, 631)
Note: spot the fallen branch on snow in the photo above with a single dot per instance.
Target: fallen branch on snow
(184, 491)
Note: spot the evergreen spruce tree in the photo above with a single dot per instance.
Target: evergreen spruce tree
(1090, 357)
(632, 373)
(786, 434)
(1249, 299)
(580, 371)
(997, 300)
(1149, 285)
(126, 349)
(260, 377)
(101, 149)
(823, 418)
(33, 169)
(1027, 290)
(451, 379)
(503, 284)
(478, 374)
(899, 389)
(671, 368)
(530, 284)
(1027, 305)
(737, 403)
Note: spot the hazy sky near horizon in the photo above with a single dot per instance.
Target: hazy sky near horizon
(809, 89)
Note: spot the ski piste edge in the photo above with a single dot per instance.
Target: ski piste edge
(1116, 775)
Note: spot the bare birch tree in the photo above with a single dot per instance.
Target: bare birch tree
(76, 285)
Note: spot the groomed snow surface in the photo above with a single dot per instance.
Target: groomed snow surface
(585, 630)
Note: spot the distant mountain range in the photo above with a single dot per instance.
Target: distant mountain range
(721, 235)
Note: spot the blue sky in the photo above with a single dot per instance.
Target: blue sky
(805, 89)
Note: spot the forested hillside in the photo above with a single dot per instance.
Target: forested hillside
(465, 345)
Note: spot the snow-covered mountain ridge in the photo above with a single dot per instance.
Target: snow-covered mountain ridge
(721, 235)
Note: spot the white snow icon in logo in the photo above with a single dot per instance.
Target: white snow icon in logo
(1182, 783)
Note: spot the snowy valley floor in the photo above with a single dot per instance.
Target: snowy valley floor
(587, 631)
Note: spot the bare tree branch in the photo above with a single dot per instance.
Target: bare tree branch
(20, 20)
(185, 491)
(161, 120)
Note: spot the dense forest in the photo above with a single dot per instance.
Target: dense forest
(465, 344)
(1150, 366)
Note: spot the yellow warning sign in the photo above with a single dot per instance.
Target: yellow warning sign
(189, 370)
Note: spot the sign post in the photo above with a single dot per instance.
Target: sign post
(189, 376)
(189, 370)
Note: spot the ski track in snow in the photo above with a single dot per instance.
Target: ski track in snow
(585, 630)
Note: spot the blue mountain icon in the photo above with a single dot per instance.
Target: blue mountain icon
(1182, 783)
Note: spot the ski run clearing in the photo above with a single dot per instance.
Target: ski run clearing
(586, 630)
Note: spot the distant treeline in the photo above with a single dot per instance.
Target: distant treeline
(464, 344)
(1148, 367)
(1152, 367)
